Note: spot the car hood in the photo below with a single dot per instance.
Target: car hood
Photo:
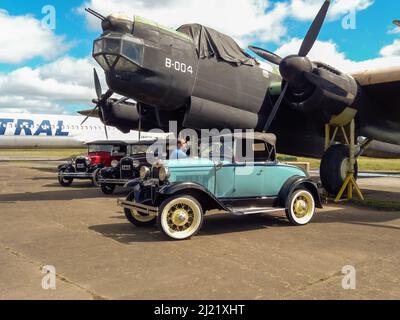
(189, 163)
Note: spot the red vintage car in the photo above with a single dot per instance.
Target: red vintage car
(87, 167)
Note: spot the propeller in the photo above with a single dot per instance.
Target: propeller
(100, 101)
(293, 68)
(267, 55)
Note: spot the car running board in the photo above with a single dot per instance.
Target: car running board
(251, 211)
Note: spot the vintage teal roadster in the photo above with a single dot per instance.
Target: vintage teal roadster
(176, 194)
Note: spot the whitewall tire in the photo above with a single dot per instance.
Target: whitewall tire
(300, 207)
(180, 217)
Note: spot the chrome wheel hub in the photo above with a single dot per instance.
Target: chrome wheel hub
(302, 206)
(180, 217)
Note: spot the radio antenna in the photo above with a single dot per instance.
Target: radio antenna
(96, 14)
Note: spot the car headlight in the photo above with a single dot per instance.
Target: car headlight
(136, 164)
(164, 174)
(144, 172)
(88, 161)
(114, 163)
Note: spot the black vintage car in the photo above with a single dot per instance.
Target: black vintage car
(87, 167)
(128, 168)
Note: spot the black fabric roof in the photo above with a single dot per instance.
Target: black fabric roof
(210, 42)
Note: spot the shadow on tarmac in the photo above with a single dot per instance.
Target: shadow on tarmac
(126, 233)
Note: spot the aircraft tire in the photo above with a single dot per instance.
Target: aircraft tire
(333, 168)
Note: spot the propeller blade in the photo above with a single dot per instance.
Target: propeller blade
(314, 30)
(105, 122)
(122, 100)
(105, 97)
(89, 115)
(276, 107)
(267, 55)
(97, 84)
(105, 130)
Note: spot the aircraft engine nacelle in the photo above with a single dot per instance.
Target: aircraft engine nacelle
(123, 116)
(204, 113)
(326, 90)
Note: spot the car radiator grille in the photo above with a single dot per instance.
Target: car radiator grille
(80, 165)
(127, 169)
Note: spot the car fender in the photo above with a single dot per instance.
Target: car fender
(138, 190)
(66, 166)
(209, 201)
(108, 172)
(97, 166)
(294, 183)
(133, 183)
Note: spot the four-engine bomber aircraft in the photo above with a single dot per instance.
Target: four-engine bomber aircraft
(203, 80)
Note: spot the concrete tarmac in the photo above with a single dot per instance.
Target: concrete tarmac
(97, 254)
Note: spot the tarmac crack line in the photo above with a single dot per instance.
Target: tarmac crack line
(323, 280)
(62, 278)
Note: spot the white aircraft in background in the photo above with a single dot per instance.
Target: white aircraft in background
(18, 130)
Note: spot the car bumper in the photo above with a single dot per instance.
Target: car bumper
(76, 175)
(140, 208)
(119, 182)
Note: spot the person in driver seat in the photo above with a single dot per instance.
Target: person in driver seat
(180, 152)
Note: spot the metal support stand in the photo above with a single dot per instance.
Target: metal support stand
(350, 182)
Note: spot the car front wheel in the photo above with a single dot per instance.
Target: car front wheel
(107, 189)
(63, 181)
(136, 218)
(180, 217)
(95, 179)
(300, 207)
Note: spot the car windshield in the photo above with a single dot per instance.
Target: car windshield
(99, 148)
(138, 149)
(119, 150)
(254, 151)
(216, 150)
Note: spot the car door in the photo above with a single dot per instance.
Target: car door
(224, 179)
(249, 170)
(224, 170)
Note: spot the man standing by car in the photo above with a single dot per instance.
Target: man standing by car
(181, 151)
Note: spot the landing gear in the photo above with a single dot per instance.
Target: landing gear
(339, 168)
(335, 166)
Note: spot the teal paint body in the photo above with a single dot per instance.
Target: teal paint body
(226, 180)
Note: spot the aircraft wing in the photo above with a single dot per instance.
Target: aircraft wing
(381, 119)
(85, 113)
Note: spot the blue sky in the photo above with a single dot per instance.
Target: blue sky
(363, 43)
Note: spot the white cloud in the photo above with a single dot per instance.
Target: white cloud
(245, 20)
(242, 19)
(328, 52)
(23, 38)
(47, 88)
(20, 104)
(394, 30)
(307, 9)
(391, 50)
